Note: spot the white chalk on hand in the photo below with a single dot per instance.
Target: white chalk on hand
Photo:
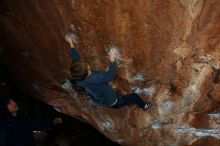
(115, 49)
(73, 37)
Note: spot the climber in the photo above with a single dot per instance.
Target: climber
(17, 129)
(96, 83)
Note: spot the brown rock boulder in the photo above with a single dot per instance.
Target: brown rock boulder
(169, 54)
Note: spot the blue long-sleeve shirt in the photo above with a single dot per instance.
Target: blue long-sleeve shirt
(97, 84)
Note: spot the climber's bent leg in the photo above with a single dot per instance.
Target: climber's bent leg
(129, 99)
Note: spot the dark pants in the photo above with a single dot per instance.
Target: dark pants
(129, 99)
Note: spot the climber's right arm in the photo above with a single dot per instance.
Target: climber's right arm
(74, 55)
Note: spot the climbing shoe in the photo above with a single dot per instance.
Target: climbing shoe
(147, 106)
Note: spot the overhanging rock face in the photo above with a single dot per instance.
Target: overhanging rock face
(170, 55)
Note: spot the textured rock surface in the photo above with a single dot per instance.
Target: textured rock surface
(170, 55)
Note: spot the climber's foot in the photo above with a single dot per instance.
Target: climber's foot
(147, 106)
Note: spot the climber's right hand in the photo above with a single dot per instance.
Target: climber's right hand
(112, 55)
(69, 41)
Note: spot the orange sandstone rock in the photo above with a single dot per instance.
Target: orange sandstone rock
(170, 55)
